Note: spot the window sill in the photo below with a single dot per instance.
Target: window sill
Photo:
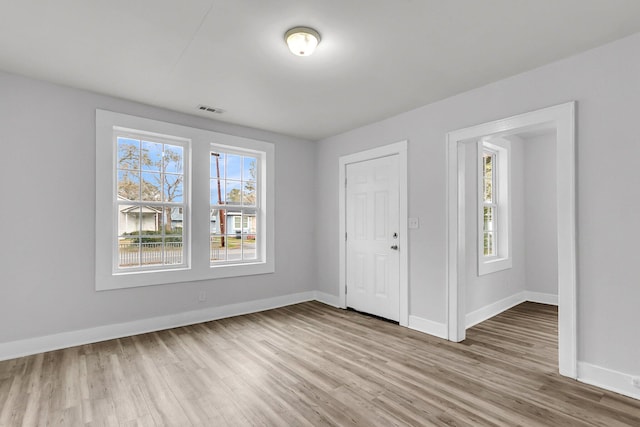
(136, 279)
(493, 266)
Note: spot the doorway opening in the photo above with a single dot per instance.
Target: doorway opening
(561, 120)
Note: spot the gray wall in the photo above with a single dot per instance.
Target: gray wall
(606, 84)
(47, 135)
(541, 222)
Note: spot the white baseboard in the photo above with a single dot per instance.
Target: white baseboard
(615, 381)
(26, 347)
(493, 309)
(541, 298)
(328, 299)
(428, 327)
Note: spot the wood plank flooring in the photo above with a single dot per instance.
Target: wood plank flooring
(311, 365)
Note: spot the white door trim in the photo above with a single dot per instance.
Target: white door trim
(399, 148)
(562, 117)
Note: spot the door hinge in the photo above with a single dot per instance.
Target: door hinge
(345, 235)
(345, 182)
(345, 289)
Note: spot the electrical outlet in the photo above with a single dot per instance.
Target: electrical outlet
(636, 382)
(202, 296)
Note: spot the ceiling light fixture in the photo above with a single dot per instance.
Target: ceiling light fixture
(302, 41)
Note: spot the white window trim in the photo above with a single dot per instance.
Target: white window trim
(502, 175)
(198, 266)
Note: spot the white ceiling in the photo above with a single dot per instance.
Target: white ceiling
(377, 58)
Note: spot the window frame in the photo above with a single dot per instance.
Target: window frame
(197, 210)
(501, 192)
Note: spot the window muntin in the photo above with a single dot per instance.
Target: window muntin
(234, 206)
(150, 202)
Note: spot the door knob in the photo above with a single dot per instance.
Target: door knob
(394, 247)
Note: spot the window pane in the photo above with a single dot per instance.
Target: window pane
(233, 195)
(173, 159)
(173, 250)
(223, 222)
(249, 171)
(489, 221)
(151, 186)
(128, 153)
(128, 252)
(172, 188)
(218, 248)
(249, 246)
(489, 243)
(249, 193)
(151, 251)
(151, 220)
(151, 156)
(174, 219)
(233, 222)
(128, 220)
(234, 167)
(215, 222)
(129, 185)
(216, 167)
(234, 247)
(217, 191)
(487, 174)
(249, 222)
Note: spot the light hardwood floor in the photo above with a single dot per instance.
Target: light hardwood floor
(310, 364)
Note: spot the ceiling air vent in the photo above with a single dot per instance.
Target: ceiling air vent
(210, 109)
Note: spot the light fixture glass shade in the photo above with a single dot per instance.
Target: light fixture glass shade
(302, 41)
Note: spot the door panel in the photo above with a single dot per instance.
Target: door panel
(381, 278)
(372, 209)
(380, 215)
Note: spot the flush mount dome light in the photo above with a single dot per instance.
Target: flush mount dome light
(302, 41)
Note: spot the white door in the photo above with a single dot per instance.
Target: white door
(373, 225)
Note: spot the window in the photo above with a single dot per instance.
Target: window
(234, 206)
(489, 203)
(177, 204)
(150, 199)
(494, 222)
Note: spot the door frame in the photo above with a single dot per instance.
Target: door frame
(562, 118)
(399, 148)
